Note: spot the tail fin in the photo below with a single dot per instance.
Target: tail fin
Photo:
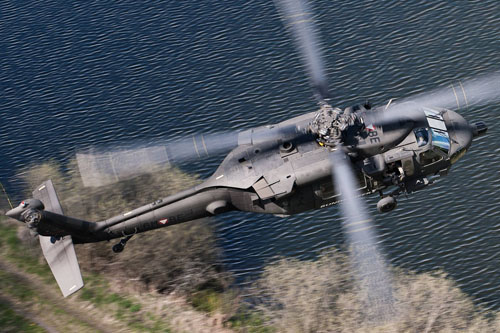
(60, 255)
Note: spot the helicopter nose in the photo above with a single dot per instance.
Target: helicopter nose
(461, 132)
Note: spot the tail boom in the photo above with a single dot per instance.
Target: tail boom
(58, 232)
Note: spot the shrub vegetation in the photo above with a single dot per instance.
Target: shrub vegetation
(320, 296)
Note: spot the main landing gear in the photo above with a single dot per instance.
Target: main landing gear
(386, 204)
(118, 247)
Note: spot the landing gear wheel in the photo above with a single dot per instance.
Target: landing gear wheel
(386, 204)
(117, 248)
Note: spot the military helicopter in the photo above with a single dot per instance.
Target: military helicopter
(283, 169)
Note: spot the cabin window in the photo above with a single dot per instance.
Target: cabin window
(325, 191)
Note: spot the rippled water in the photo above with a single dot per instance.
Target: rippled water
(77, 75)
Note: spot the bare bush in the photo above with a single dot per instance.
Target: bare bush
(182, 257)
(319, 296)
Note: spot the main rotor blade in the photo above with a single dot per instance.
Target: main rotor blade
(106, 167)
(372, 275)
(102, 168)
(474, 92)
(297, 17)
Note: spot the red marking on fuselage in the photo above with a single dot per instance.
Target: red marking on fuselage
(370, 128)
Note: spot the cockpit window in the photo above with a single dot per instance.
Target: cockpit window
(422, 136)
(440, 140)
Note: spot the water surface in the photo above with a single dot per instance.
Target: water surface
(78, 75)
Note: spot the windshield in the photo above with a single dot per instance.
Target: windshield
(438, 130)
(440, 140)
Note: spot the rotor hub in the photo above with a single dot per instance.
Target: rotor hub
(332, 125)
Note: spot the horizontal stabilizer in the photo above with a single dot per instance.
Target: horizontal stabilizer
(60, 255)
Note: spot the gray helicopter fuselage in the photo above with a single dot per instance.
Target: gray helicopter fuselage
(291, 175)
(294, 176)
(279, 171)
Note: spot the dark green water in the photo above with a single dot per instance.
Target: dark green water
(79, 75)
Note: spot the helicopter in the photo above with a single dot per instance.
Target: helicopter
(319, 159)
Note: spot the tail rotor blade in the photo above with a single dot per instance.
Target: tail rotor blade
(372, 275)
(297, 17)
